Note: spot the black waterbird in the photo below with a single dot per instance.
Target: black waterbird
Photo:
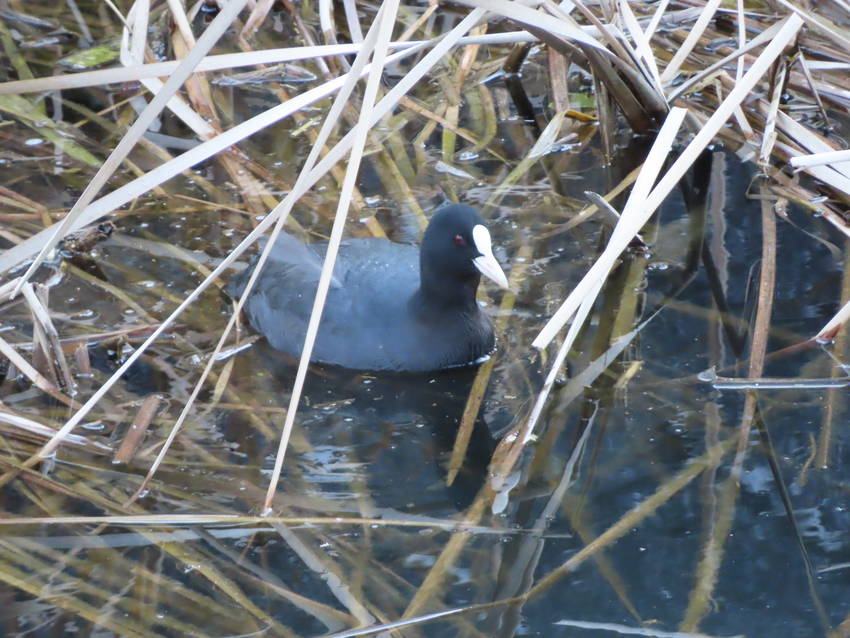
(389, 306)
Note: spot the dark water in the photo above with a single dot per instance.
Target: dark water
(377, 447)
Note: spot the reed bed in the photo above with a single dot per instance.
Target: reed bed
(128, 112)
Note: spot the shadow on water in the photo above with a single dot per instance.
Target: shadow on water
(389, 434)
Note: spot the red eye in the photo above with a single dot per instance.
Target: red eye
(459, 240)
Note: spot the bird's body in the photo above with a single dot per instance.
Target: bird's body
(380, 312)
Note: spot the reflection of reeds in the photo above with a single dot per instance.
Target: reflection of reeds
(647, 68)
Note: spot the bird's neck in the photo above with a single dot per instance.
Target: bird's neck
(456, 294)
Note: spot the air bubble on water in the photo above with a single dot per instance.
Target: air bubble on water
(707, 375)
(86, 313)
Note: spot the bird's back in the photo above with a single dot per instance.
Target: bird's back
(365, 309)
(369, 321)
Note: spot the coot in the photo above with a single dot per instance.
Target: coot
(389, 307)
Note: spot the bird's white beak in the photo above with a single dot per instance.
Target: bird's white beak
(486, 263)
